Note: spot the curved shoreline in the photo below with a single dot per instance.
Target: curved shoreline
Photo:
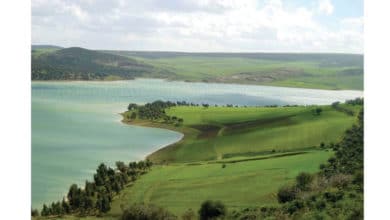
(151, 124)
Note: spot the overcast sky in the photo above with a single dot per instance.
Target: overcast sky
(201, 25)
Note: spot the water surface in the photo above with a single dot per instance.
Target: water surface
(76, 125)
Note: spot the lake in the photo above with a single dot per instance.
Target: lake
(76, 125)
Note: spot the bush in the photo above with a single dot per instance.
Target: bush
(188, 215)
(146, 212)
(212, 210)
(287, 194)
(304, 180)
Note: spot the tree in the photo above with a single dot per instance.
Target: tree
(317, 111)
(132, 106)
(212, 210)
(287, 194)
(133, 115)
(304, 180)
(34, 213)
(65, 207)
(103, 203)
(74, 196)
(45, 210)
(121, 166)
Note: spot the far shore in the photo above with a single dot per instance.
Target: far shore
(202, 81)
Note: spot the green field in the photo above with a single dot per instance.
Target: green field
(224, 132)
(303, 74)
(322, 71)
(238, 185)
(179, 187)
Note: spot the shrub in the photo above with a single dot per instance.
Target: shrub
(333, 195)
(287, 194)
(146, 212)
(212, 210)
(340, 180)
(188, 215)
(304, 180)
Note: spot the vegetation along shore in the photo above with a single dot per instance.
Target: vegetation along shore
(289, 162)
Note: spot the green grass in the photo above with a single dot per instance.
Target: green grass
(303, 74)
(238, 185)
(221, 132)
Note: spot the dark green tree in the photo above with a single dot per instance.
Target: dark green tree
(34, 213)
(121, 166)
(65, 206)
(287, 193)
(132, 106)
(103, 203)
(45, 210)
(304, 180)
(74, 196)
(212, 210)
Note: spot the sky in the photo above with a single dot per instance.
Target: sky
(314, 26)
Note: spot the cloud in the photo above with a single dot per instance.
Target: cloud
(193, 25)
(325, 7)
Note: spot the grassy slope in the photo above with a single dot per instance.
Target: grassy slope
(253, 183)
(295, 73)
(322, 71)
(221, 132)
(81, 64)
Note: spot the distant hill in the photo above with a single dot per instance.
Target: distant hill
(332, 59)
(76, 63)
(303, 70)
(44, 46)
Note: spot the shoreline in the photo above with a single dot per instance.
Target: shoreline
(151, 124)
(201, 81)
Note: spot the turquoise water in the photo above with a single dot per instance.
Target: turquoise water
(76, 125)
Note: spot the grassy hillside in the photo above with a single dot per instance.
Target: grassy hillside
(238, 185)
(81, 64)
(223, 132)
(325, 71)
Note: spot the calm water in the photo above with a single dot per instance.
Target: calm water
(76, 125)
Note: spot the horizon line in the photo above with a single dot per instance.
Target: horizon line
(205, 52)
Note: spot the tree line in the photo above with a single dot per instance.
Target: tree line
(96, 196)
(154, 111)
(353, 102)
